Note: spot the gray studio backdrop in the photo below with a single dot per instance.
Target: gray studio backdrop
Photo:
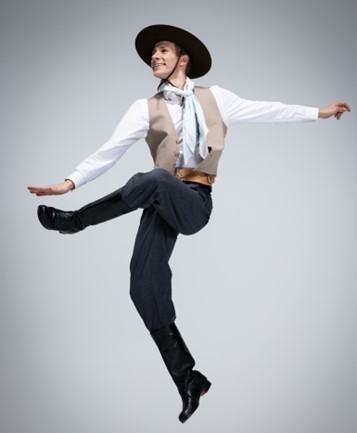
(268, 307)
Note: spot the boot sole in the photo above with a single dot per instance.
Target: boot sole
(204, 389)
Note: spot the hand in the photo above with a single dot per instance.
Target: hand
(335, 109)
(56, 189)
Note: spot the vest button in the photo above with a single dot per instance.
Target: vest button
(178, 141)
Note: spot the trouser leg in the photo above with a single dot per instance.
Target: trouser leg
(171, 207)
(150, 281)
(185, 207)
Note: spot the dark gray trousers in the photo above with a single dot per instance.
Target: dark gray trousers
(170, 207)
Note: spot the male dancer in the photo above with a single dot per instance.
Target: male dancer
(185, 128)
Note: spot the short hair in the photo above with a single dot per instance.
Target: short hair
(180, 51)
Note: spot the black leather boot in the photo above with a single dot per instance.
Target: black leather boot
(191, 384)
(104, 209)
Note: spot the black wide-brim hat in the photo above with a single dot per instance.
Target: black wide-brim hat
(199, 55)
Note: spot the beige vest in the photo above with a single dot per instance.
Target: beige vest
(162, 136)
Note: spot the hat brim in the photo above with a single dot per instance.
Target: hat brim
(199, 55)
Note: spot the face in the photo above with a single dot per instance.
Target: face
(164, 58)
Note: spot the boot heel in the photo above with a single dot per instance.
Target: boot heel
(205, 387)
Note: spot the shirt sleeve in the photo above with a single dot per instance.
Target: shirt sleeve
(133, 126)
(235, 109)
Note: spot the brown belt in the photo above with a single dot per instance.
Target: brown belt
(192, 175)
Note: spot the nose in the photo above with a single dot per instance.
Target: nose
(154, 55)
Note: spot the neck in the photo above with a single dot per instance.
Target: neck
(178, 83)
(178, 79)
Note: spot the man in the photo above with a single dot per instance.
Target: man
(185, 129)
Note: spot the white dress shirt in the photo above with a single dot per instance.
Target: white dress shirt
(134, 126)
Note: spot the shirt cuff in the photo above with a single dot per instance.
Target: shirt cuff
(77, 178)
(312, 113)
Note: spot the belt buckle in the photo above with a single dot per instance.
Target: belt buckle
(179, 173)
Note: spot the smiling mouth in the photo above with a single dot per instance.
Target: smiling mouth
(157, 65)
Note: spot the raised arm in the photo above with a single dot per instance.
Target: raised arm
(131, 128)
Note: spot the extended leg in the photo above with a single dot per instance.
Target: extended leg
(185, 207)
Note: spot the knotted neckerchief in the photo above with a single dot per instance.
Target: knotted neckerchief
(194, 124)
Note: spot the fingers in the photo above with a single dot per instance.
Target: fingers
(35, 189)
(56, 189)
(341, 107)
(42, 190)
(38, 190)
(344, 106)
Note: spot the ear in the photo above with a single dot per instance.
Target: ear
(185, 58)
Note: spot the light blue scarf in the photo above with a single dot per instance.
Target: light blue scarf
(194, 124)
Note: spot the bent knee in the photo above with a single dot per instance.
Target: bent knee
(193, 229)
(159, 175)
(157, 178)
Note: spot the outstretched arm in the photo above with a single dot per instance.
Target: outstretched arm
(132, 127)
(56, 189)
(235, 109)
(335, 109)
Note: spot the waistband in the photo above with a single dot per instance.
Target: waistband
(192, 175)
